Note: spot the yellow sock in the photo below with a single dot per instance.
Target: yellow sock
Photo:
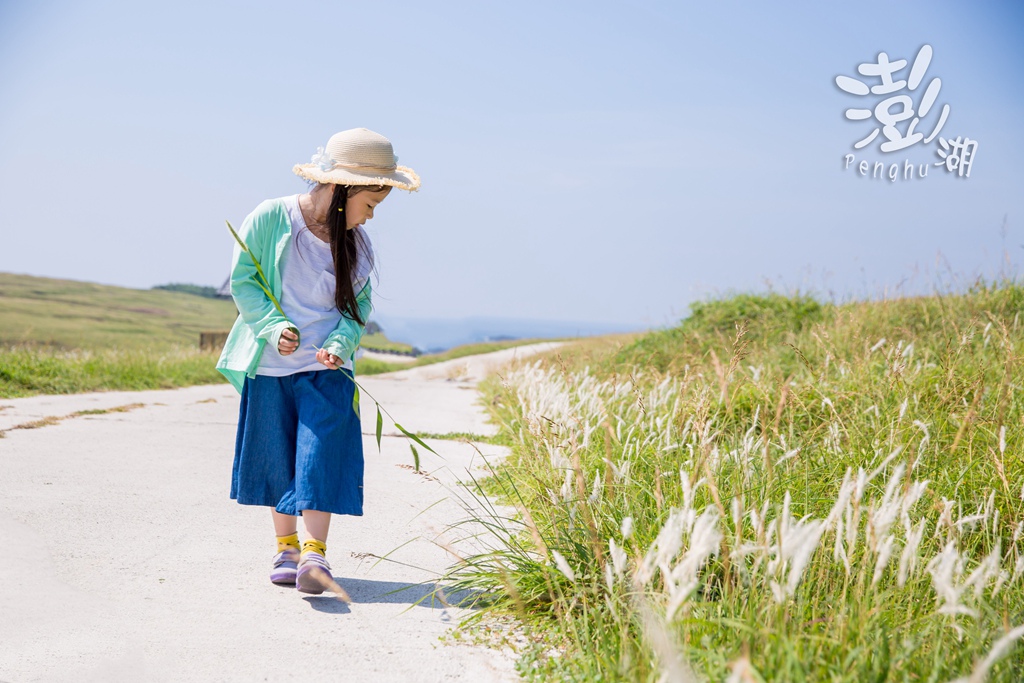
(311, 545)
(285, 542)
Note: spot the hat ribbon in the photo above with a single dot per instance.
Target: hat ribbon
(325, 163)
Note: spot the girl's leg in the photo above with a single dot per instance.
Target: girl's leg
(314, 574)
(286, 560)
(284, 525)
(317, 524)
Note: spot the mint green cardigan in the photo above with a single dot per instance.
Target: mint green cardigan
(267, 231)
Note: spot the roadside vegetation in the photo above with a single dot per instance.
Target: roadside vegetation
(774, 490)
(30, 370)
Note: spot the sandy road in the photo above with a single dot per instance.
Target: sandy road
(126, 561)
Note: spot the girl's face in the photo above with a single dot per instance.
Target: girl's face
(359, 206)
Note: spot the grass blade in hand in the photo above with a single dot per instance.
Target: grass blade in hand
(261, 278)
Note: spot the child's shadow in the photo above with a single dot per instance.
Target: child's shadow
(366, 591)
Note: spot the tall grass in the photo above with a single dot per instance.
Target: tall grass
(774, 490)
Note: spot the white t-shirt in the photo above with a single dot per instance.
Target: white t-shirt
(307, 294)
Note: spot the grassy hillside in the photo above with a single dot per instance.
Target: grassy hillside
(776, 489)
(64, 336)
(67, 314)
(379, 342)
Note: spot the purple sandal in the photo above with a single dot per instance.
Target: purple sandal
(314, 574)
(285, 567)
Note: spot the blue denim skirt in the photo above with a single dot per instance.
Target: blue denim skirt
(299, 444)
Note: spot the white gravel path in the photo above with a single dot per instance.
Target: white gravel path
(126, 560)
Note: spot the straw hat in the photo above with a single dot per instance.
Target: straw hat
(358, 157)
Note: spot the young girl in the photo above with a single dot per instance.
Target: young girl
(299, 447)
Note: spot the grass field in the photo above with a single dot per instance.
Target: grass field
(27, 371)
(379, 342)
(64, 336)
(66, 314)
(775, 490)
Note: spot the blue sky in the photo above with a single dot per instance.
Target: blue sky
(580, 161)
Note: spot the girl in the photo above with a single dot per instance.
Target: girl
(299, 448)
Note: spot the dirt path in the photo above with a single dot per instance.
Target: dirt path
(127, 561)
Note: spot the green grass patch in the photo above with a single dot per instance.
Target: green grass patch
(378, 342)
(496, 440)
(29, 371)
(372, 366)
(791, 490)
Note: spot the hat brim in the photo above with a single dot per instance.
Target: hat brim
(402, 177)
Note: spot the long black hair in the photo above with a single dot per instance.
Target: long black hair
(346, 246)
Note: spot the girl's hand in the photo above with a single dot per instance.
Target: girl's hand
(328, 359)
(288, 343)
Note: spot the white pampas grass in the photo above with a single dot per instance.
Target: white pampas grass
(618, 557)
(563, 566)
(626, 528)
(946, 569)
(909, 556)
(705, 539)
(1000, 649)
